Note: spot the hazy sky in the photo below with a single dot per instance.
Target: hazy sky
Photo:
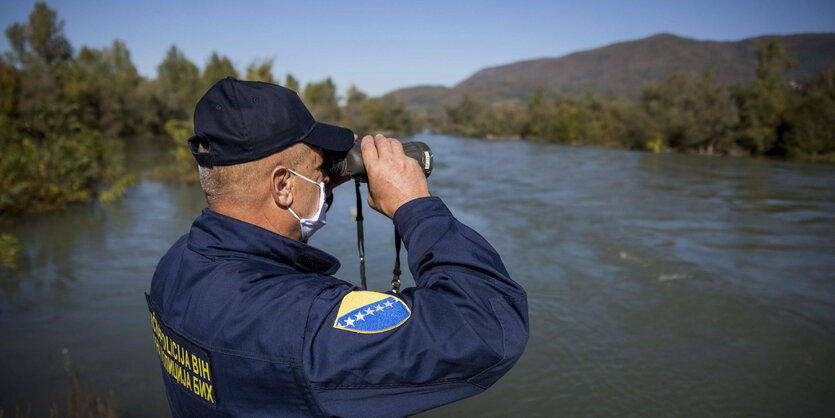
(383, 45)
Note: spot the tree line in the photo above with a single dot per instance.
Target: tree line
(66, 116)
(773, 116)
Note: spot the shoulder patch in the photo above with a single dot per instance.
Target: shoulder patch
(371, 312)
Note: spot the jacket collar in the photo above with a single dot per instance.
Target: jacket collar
(216, 235)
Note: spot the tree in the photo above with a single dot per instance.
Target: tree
(291, 83)
(717, 116)
(809, 120)
(698, 116)
(9, 90)
(389, 115)
(762, 106)
(463, 117)
(540, 109)
(16, 34)
(354, 115)
(102, 83)
(50, 157)
(262, 71)
(321, 99)
(177, 86)
(39, 50)
(45, 36)
(217, 67)
(504, 120)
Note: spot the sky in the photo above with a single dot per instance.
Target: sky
(380, 46)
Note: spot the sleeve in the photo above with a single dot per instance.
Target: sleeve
(466, 324)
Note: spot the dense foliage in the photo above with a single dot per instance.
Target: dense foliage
(54, 119)
(773, 116)
(66, 116)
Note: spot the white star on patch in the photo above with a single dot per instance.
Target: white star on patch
(369, 311)
(360, 316)
(389, 304)
(378, 307)
(349, 322)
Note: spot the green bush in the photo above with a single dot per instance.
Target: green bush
(184, 167)
(52, 160)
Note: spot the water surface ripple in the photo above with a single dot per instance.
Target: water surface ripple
(658, 284)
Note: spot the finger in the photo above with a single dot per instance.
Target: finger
(369, 148)
(383, 146)
(355, 137)
(380, 139)
(396, 147)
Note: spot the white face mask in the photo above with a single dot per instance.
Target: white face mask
(309, 226)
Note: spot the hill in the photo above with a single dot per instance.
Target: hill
(623, 69)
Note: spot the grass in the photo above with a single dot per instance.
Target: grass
(81, 402)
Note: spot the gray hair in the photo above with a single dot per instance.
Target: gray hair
(237, 184)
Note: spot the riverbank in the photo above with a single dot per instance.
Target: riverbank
(773, 116)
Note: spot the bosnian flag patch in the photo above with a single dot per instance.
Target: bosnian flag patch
(371, 312)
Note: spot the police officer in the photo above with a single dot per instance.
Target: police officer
(248, 320)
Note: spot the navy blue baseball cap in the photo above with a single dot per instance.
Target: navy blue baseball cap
(244, 121)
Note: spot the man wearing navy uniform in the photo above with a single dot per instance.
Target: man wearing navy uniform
(248, 320)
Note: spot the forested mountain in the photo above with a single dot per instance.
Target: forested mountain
(623, 69)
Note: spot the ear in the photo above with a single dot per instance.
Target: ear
(281, 188)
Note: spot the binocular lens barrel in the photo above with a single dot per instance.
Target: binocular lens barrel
(353, 166)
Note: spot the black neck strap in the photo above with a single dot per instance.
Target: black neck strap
(395, 281)
(360, 236)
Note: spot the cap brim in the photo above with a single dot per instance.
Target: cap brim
(330, 137)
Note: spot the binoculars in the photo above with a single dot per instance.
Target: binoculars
(353, 166)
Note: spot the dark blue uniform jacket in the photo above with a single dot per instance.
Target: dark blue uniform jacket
(250, 323)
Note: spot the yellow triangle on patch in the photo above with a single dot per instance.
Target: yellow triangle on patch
(370, 312)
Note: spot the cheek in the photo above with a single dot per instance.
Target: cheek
(305, 204)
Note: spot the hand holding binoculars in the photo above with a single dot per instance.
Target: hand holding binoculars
(353, 166)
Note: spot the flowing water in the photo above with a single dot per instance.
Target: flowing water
(658, 284)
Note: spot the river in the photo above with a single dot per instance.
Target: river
(658, 284)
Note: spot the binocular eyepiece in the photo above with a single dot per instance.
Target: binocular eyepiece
(353, 166)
